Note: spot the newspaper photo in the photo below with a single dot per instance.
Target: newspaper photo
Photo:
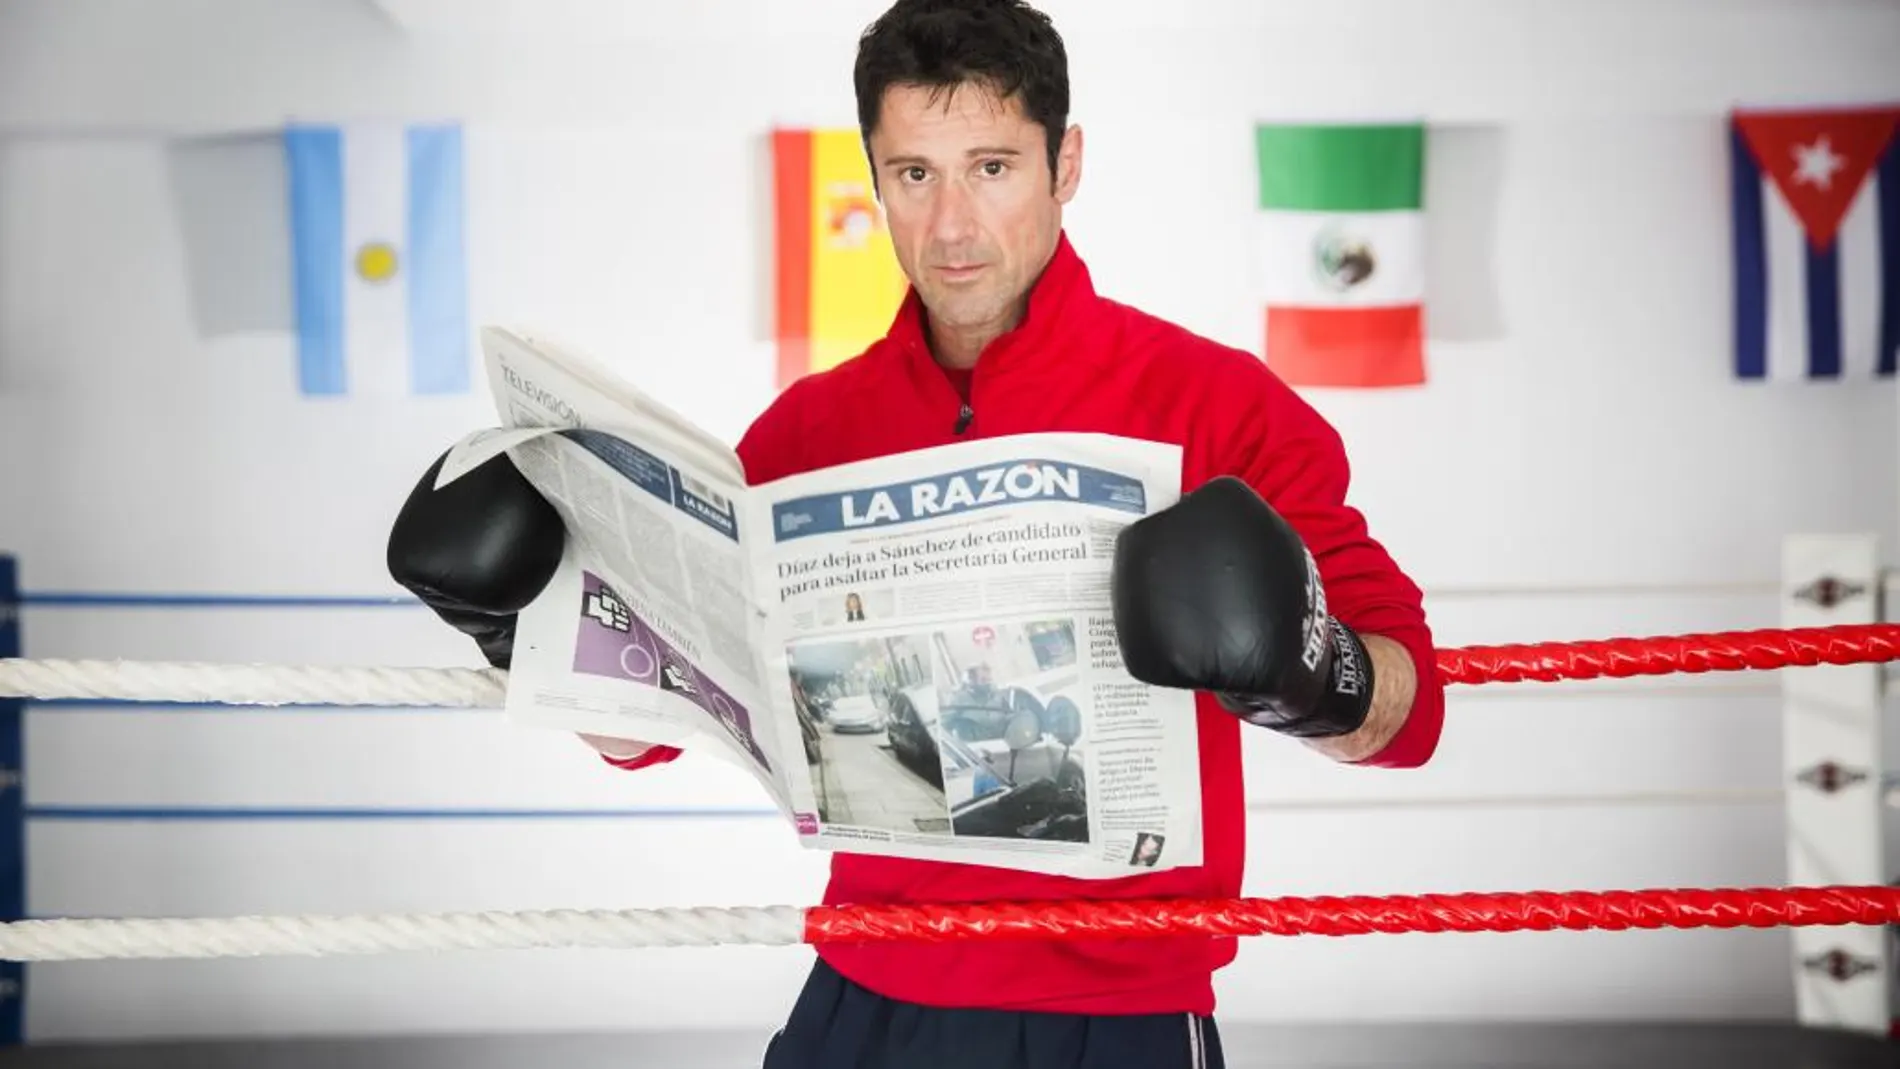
(913, 655)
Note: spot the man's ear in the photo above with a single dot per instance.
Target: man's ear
(1068, 164)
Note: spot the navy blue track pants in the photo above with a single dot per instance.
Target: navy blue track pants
(837, 1024)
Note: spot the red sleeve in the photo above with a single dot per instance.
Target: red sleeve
(767, 451)
(1297, 462)
(652, 755)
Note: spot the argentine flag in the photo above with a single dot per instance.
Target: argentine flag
(1816, 203)
(381, 288)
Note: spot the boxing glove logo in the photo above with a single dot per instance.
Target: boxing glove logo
(1313, 637)
(1349, 670)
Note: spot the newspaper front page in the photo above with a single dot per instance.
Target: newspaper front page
(914, 655)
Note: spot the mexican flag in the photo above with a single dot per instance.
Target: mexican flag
(1342, 252)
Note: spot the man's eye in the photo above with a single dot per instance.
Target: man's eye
(914, 174)
(993, 167)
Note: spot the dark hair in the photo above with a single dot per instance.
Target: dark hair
(1005, 45)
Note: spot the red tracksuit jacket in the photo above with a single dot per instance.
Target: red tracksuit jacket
(1082, 362)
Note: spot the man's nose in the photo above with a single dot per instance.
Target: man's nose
(954, 221)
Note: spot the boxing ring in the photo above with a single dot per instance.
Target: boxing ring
(1837, 903)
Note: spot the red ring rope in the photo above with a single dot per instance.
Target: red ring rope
(1357, 915)
(1722, 651)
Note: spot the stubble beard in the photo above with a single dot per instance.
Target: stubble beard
(967, 310)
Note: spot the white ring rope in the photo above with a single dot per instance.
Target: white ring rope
(236, 937)
(252, 684)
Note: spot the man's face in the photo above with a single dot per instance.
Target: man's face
(973, 214)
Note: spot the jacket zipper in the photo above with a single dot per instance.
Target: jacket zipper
(966, 407)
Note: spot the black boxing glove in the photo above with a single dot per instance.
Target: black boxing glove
(478, 550)
(1218, 593)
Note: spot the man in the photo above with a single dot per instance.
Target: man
(963, 105)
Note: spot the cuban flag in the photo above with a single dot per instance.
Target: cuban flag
(1816, 200)
(377, 223)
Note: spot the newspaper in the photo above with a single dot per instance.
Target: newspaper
(913, 655)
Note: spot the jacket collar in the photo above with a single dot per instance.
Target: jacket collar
(1054, 319)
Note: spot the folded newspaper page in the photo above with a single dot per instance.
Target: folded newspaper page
(913, 655)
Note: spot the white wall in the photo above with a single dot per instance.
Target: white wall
(617, 199)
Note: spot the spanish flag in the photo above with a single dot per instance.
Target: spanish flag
(838, 280)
